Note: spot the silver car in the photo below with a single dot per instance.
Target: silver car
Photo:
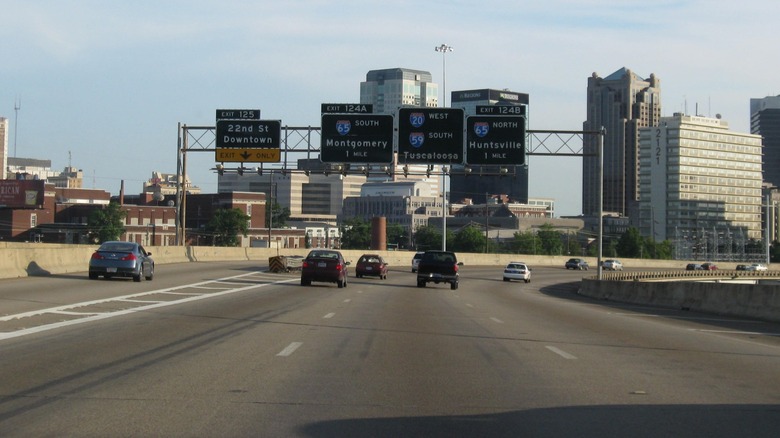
(612, 265)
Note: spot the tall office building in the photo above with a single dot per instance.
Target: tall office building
(476, 187)
(393, 88)
(621, 103)
(765, 121)
(700, 185)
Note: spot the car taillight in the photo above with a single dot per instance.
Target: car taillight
(97, 256)
(128, 257)
(305, 264)
(456, 267)
(338, 267)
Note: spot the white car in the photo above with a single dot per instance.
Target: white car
(613, 265)
(416, 260)
(757, 267)
(517, 271)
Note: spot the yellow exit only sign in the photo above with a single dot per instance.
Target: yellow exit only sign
(248, 155)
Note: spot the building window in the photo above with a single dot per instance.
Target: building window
(33, 220)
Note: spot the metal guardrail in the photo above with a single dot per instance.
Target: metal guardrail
(688, 275)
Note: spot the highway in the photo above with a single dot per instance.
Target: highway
(230, 350)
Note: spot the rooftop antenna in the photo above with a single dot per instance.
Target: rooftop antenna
(17, 107)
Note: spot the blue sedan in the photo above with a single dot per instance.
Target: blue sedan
(121, 259)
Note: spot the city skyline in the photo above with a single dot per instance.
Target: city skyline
(103, 86)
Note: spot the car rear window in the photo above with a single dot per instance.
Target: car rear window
(125, 247)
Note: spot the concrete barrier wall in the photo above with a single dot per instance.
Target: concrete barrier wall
(758, 301)
(26, 259)
(761, 301)
(23, 259)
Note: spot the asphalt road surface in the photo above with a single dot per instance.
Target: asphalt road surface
(230, 350)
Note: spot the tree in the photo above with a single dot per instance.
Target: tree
(469, 239)
(397, 235)
(526, 243)
(631, 244)
(774, 252)
(355, 234)
(107, 223)
(427, 237)
(225, 226)
(280, 215)
(550, 240)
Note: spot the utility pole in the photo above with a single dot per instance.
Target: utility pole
(487, 214)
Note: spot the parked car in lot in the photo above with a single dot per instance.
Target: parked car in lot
(121, 259)
(757, 267)
(416, 260)
(372, 265)
(517, 271)
(577, 264)
(693, 267)
(612, 265)
(326, 266)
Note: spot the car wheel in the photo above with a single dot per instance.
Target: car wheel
(528, 281)
(137, 277)
(305, 282)
(93, 276)
(420, 283)
(506, 279)
(340, 283)
(454, 285)
(150, 277)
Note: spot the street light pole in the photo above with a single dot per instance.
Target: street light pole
(444, 208)
(443, 49)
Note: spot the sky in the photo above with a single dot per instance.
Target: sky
(101, 85)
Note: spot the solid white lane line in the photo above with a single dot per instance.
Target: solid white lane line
(469, 305)
(735, 332)
(348, 300)
(560, 352)
(692, 318)
(496, 320)
(290, 349)
(329, 315)
(96, 317)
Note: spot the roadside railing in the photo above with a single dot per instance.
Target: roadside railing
(688, 275)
